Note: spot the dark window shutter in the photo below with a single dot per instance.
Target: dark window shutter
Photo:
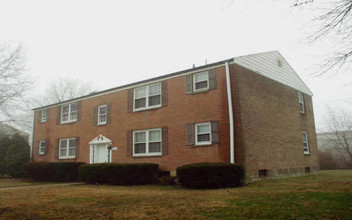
(39, 116)
(37, 148)
(215, 138)
(190, 134)
(164, 144)
(57, 143)
(130, 100)
(212, 79)
(46, 147)
(58, 119)
(47, 114)
(77, 147)
(95, 115)
(164, 100)
(129, 143)
(189, 84)
(79, 110)
(108, 113)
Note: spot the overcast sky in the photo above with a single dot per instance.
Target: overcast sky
(111, 43)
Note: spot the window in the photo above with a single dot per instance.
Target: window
(203, 133)
(301, 102)
(200, 81)
(307, 169)
(102, 114)
(44, 115)
(305, 142)
(147, 97)
(67, 148)
(263, 173)
(147, 142)
(42, 146)
(69, 113)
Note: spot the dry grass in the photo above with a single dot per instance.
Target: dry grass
(327, 195)
(9, 182)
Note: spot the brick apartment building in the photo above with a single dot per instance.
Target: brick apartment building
(253, 110)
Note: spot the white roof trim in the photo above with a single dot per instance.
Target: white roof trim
(266, 64)
(100, 140)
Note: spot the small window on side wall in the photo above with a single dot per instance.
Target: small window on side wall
(42, 146)
(305, 142)
(102, 114)
(45, 115)
(203, 134)
(301, 102)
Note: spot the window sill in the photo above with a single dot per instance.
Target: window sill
(146, 155)
(200, 90)
(306, 154)
(146, 109)
(203, 144)
(66, 158)
(68, 122)
(101, 124)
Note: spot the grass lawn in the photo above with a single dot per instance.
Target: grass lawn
(9, 182)
(327, 195)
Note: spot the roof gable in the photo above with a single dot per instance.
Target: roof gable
(273, 66)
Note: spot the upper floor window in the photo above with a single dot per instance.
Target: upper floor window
(44, 115)
(42, 146)
(201, 81)
(301, 102)
(102, 114)
(305, 142)
(69, 113)
(203, 133)
(147, 142)
(67, 148)
(147, 97)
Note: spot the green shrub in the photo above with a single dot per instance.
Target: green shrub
(119, 174)
(210, 175)
(56, 172)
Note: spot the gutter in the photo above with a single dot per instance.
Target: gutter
(229, 101)
(31, 145)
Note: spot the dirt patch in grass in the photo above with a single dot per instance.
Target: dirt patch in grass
(327, 195)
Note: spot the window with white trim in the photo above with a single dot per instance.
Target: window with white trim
(305, 142)
(147, 142)
(200, 81)
(102, 114)
(203, 133)
(67, 148)
(147, 97)
(44, 115)
(42, 146)
(69, 113)
(301, 102)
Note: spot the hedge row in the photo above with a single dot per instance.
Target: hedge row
(56, 172)
(210, 175)
(119, 174)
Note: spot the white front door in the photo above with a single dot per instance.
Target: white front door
(100, 153)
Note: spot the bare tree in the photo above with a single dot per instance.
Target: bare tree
(334, 20)
(339, 125)
(64, 89)
(14, 83)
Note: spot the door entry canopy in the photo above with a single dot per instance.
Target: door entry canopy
(100, 140)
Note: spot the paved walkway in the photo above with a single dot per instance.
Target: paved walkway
(37, 186)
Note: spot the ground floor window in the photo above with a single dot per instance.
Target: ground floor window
(147, 142)
(67, 148)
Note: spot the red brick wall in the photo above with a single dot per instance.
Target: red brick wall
(181, 109)
(269, 125)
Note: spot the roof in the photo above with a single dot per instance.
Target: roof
(265, 64)
(8, 130)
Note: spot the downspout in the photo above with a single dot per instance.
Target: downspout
(229, 101)
(31, 145)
